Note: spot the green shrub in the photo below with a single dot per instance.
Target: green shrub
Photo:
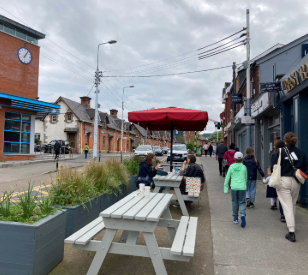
(28, 208)
(71, 188)
(133, 165)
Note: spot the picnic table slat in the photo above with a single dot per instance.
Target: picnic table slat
(142, 215)
(159, 208)
(107, 212)
(82, 231)
(83, 240)
(126, 207)
(157, 177)
(189, 246)
(169, 176)
(178, 242)
(131, 213)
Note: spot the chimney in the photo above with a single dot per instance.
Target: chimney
(86, 101)
(114, 113)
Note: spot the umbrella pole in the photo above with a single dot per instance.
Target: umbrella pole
(171, 167)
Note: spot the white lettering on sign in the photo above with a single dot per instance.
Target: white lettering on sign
(256, 106)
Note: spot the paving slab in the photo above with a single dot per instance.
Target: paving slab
(260, 248)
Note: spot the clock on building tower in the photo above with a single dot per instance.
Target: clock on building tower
(24, 55)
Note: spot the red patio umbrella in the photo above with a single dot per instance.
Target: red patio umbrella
(169, 119)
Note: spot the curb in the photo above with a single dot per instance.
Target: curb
(7, 165)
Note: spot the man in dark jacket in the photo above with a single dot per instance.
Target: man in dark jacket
(57, 148)
(220, 152)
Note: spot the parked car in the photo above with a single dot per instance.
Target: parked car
(65, 146)
(179, 153)
(165, 150)
(143, 150)
(157, 151)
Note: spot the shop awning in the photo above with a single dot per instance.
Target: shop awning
(71, 130)
(29, 104)
(87, 130)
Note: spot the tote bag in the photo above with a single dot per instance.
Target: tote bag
(275, 180)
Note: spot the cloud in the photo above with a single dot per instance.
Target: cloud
(148, 31)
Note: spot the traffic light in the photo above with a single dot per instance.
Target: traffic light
(218, 126)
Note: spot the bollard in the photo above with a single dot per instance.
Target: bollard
(57, 165)
(99, 157)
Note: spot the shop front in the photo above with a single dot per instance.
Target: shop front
(267, 128)
(293, 102)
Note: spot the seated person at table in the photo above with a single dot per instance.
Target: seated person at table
(192, 170)
(146, 172)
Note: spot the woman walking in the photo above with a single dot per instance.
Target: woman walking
(229, 156)
(272, 191)
(210, 149)
(252, 164)
(290, 187)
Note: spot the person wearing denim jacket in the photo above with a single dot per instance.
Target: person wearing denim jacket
(253, 166)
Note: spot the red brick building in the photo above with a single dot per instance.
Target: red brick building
(19, 104)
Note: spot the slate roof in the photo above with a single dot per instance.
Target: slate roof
(78, 109)
(140, 129)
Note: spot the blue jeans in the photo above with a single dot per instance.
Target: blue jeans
(238, 202)
(251, 188)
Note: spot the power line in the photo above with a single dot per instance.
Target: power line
(213, 69)
(190, 60)
(178, 55)
(212, 54)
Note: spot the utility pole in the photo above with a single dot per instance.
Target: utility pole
(248, 99)
(234, 105)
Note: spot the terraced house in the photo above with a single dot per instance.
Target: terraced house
(75, 123)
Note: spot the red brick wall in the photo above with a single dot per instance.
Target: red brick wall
(15, 77)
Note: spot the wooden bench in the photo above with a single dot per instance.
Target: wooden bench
(185, 238)
(87, 233)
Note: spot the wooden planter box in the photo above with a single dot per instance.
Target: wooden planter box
(32, 248)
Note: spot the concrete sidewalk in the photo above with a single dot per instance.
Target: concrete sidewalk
(261, 247)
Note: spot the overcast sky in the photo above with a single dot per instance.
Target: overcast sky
(149, 31)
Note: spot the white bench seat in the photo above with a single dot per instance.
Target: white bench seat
(185, 237)
(85, 234)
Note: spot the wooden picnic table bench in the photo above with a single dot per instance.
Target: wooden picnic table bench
(173, 181)
(134, 214)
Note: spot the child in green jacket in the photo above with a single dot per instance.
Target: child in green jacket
(238, 174)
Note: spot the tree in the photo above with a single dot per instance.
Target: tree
(191, 145)
(213, 137)
(181, 139)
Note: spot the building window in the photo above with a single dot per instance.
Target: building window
(17, 33)
(17, 133)
(104, 141)
(69, 118)
(37, 136)
(54, 119)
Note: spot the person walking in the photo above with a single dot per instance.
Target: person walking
(210, 149)
(278, 144)
(57, 148)
(229, 156)
(237, 172)
(220, 152)
(290, 187)
(205, 148)
(253, 165)
(86, 150)
(270, 191)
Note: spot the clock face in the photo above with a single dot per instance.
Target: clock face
(24, 55)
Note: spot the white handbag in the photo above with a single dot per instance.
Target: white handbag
(275, 180)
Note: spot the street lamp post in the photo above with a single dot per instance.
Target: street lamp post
(98, 75)
(122, 121)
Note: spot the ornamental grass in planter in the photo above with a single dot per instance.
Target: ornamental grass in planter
(31, 234)
(84, 195)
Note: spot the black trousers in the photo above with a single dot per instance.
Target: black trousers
(86, 153)
(220, 165)
(205, 152)
(211, 152)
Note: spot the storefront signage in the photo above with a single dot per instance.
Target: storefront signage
(237, 99)
(296, 78)
(247, 120)
(256, 106)
(270, 87)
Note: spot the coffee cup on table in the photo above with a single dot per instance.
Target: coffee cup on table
(147, 191)
(141, 187)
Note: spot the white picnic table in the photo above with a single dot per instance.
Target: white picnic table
(134, 214)
(173, 181)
